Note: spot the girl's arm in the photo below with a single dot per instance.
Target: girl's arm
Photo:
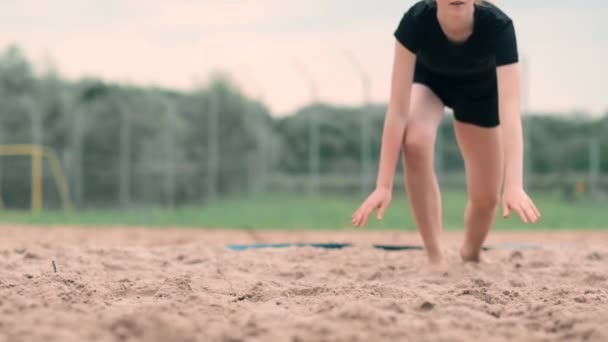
(514, 197)
(509, 90)
(392, 136)
(396, 115)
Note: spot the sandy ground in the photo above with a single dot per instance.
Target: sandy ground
(184, 285)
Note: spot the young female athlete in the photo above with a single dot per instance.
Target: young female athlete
(461, 54)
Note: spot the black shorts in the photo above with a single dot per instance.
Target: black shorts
(474, 99)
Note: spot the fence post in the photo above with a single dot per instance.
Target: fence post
(170, 150)
(2, 204)
(212, 145)
(37, 140)
(124, 155)
(365, 142)
(76, 116)
(594, 166)
(314, 158)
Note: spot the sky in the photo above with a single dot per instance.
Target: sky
(275, 49)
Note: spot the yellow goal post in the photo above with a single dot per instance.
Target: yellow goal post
(37, 153)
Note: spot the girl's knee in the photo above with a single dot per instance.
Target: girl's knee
(485, 201)
(419, 146)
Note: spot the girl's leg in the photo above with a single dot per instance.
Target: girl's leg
(482, 152)
(426, 113)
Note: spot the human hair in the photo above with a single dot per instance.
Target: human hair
(477, 2)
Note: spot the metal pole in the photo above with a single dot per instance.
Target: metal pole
(37, 191)
(212, 145)
(594, 165)
(365, 123)
(37, 172)
(76, 143)
(262, 158)
(36, 120)
(170, 150)
(250, 158)
(2, 133)
(124, 155)
(313, 131)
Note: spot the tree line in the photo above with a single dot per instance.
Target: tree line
(136, 144)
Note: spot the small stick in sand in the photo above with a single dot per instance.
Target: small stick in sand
(54, 267)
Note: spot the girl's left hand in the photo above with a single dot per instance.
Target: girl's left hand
(517, 200)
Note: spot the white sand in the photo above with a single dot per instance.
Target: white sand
(125, 284)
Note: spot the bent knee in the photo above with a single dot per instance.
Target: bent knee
(419, 144)
(484, 201)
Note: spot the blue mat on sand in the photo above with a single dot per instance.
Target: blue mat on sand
(287, 245)
(383, 247)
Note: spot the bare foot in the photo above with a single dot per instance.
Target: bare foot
(469, 255)
(438, 266)
(473, 258)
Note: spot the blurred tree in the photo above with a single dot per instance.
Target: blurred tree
(170, 144)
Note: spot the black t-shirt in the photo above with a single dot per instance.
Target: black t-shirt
(492, 43)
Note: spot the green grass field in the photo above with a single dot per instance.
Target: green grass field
(333, 213)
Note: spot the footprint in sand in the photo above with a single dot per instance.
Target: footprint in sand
(595, 279)
(517, 283)
(481, 283)
(427, 306)
(540, 264)
(515, 256)
(394, 307)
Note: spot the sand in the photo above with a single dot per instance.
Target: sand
(130, 284)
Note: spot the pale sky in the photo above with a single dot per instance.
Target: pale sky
(178, 43)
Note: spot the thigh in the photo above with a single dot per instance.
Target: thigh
(425, 114)
(482, 151)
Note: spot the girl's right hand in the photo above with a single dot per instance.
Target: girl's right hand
(379, 200)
